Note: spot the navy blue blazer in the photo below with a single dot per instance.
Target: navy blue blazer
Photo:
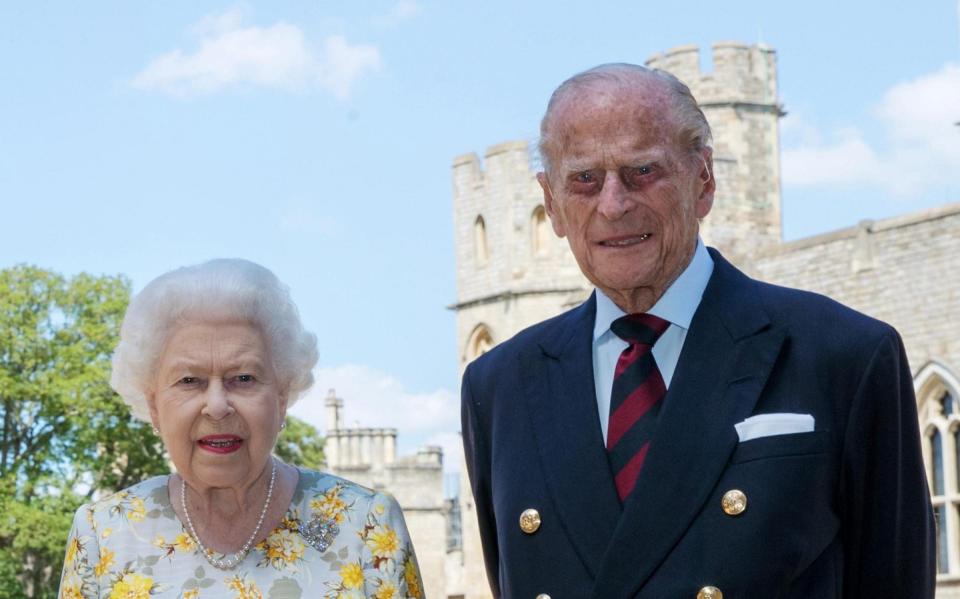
(842, 511)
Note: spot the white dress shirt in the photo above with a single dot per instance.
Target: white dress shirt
(677, 305)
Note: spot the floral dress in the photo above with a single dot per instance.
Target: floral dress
(338, 540)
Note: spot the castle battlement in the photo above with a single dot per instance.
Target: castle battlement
(742, 74)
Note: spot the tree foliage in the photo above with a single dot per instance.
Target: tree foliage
(300, 444)
(66, 436)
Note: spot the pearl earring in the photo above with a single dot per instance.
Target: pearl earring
(283, 425)
(156, 431)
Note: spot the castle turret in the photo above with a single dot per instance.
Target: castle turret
(739, 99)
(511, 268)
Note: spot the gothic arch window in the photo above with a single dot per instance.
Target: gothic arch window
(540, 232)
(937, 395)
(480, 253)
(479, 343)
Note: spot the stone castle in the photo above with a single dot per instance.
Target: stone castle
(512, 272)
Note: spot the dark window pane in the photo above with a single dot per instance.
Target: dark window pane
(937, 446)
(947, 402)
(943, 561)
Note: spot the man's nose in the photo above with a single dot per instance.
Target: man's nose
(218, 404)
(614, 200)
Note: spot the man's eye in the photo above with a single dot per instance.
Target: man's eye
(635, 175)
(584, 177)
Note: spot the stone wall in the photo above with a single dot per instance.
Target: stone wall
(904, 271)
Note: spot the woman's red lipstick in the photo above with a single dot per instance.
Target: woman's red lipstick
(220, 443)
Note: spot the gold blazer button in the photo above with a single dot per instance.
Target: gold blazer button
(530, 522)
(709, 592)
(734, 502)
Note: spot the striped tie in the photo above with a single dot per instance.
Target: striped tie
(635, 399)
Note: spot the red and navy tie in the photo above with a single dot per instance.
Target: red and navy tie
(635, 399)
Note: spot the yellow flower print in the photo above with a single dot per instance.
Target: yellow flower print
(383, 542)
(106, 533)
(412, 576)
(132, 586)
(106, 560)
(184, 543)
(191, 594)
(244, 589)
(71, 591)
(283, 549)
(387, 590)
(160, 542)
(138, 510)
(330, 505)
(352, 576)
(73, 548)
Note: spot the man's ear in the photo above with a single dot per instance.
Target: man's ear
(549, 205)
(708, 184)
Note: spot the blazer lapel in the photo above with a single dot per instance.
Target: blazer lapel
(727, 356)
(562, 403)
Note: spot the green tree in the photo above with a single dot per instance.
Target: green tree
(65, 433)
(300, 444)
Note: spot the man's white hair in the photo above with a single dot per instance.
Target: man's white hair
(693, 129)
(215, 291)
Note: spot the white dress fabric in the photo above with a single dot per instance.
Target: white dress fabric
(131, 545)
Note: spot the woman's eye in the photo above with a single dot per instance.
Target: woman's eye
(245, 379)
(188, 380)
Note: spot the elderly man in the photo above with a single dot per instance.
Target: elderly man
(688, 431)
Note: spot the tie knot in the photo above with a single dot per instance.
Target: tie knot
(642, 329)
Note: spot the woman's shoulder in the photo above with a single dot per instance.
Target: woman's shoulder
(314, 483)
(135, 503)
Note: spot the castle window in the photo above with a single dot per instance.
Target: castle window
(480, 254)
(540, 232)
(479, 343)
(936, 389)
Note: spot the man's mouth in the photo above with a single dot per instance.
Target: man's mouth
(620, 242)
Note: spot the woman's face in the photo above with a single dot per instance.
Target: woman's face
(217, 403)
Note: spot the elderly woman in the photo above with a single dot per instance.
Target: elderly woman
(213, 355)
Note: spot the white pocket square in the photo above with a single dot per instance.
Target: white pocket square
(767, 425)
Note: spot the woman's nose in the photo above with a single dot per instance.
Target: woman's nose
(218, 404)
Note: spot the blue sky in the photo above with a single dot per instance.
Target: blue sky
(316, 138)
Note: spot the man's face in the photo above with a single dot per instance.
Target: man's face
(624, 192)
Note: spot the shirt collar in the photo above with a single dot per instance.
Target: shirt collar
(678, 303)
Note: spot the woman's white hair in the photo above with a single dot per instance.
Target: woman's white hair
(218, 290)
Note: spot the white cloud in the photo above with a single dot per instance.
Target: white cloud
(401, 11)
(920, 143)
(278, 56)
(847, 161)
(376, 399)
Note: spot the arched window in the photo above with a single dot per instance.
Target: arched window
(936, 389)
(540, 232)
(480, 241)
(479, 343)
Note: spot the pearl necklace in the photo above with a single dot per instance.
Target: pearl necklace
(228, 562)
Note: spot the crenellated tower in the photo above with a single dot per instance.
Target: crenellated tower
(739, 98)
(511, 268)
